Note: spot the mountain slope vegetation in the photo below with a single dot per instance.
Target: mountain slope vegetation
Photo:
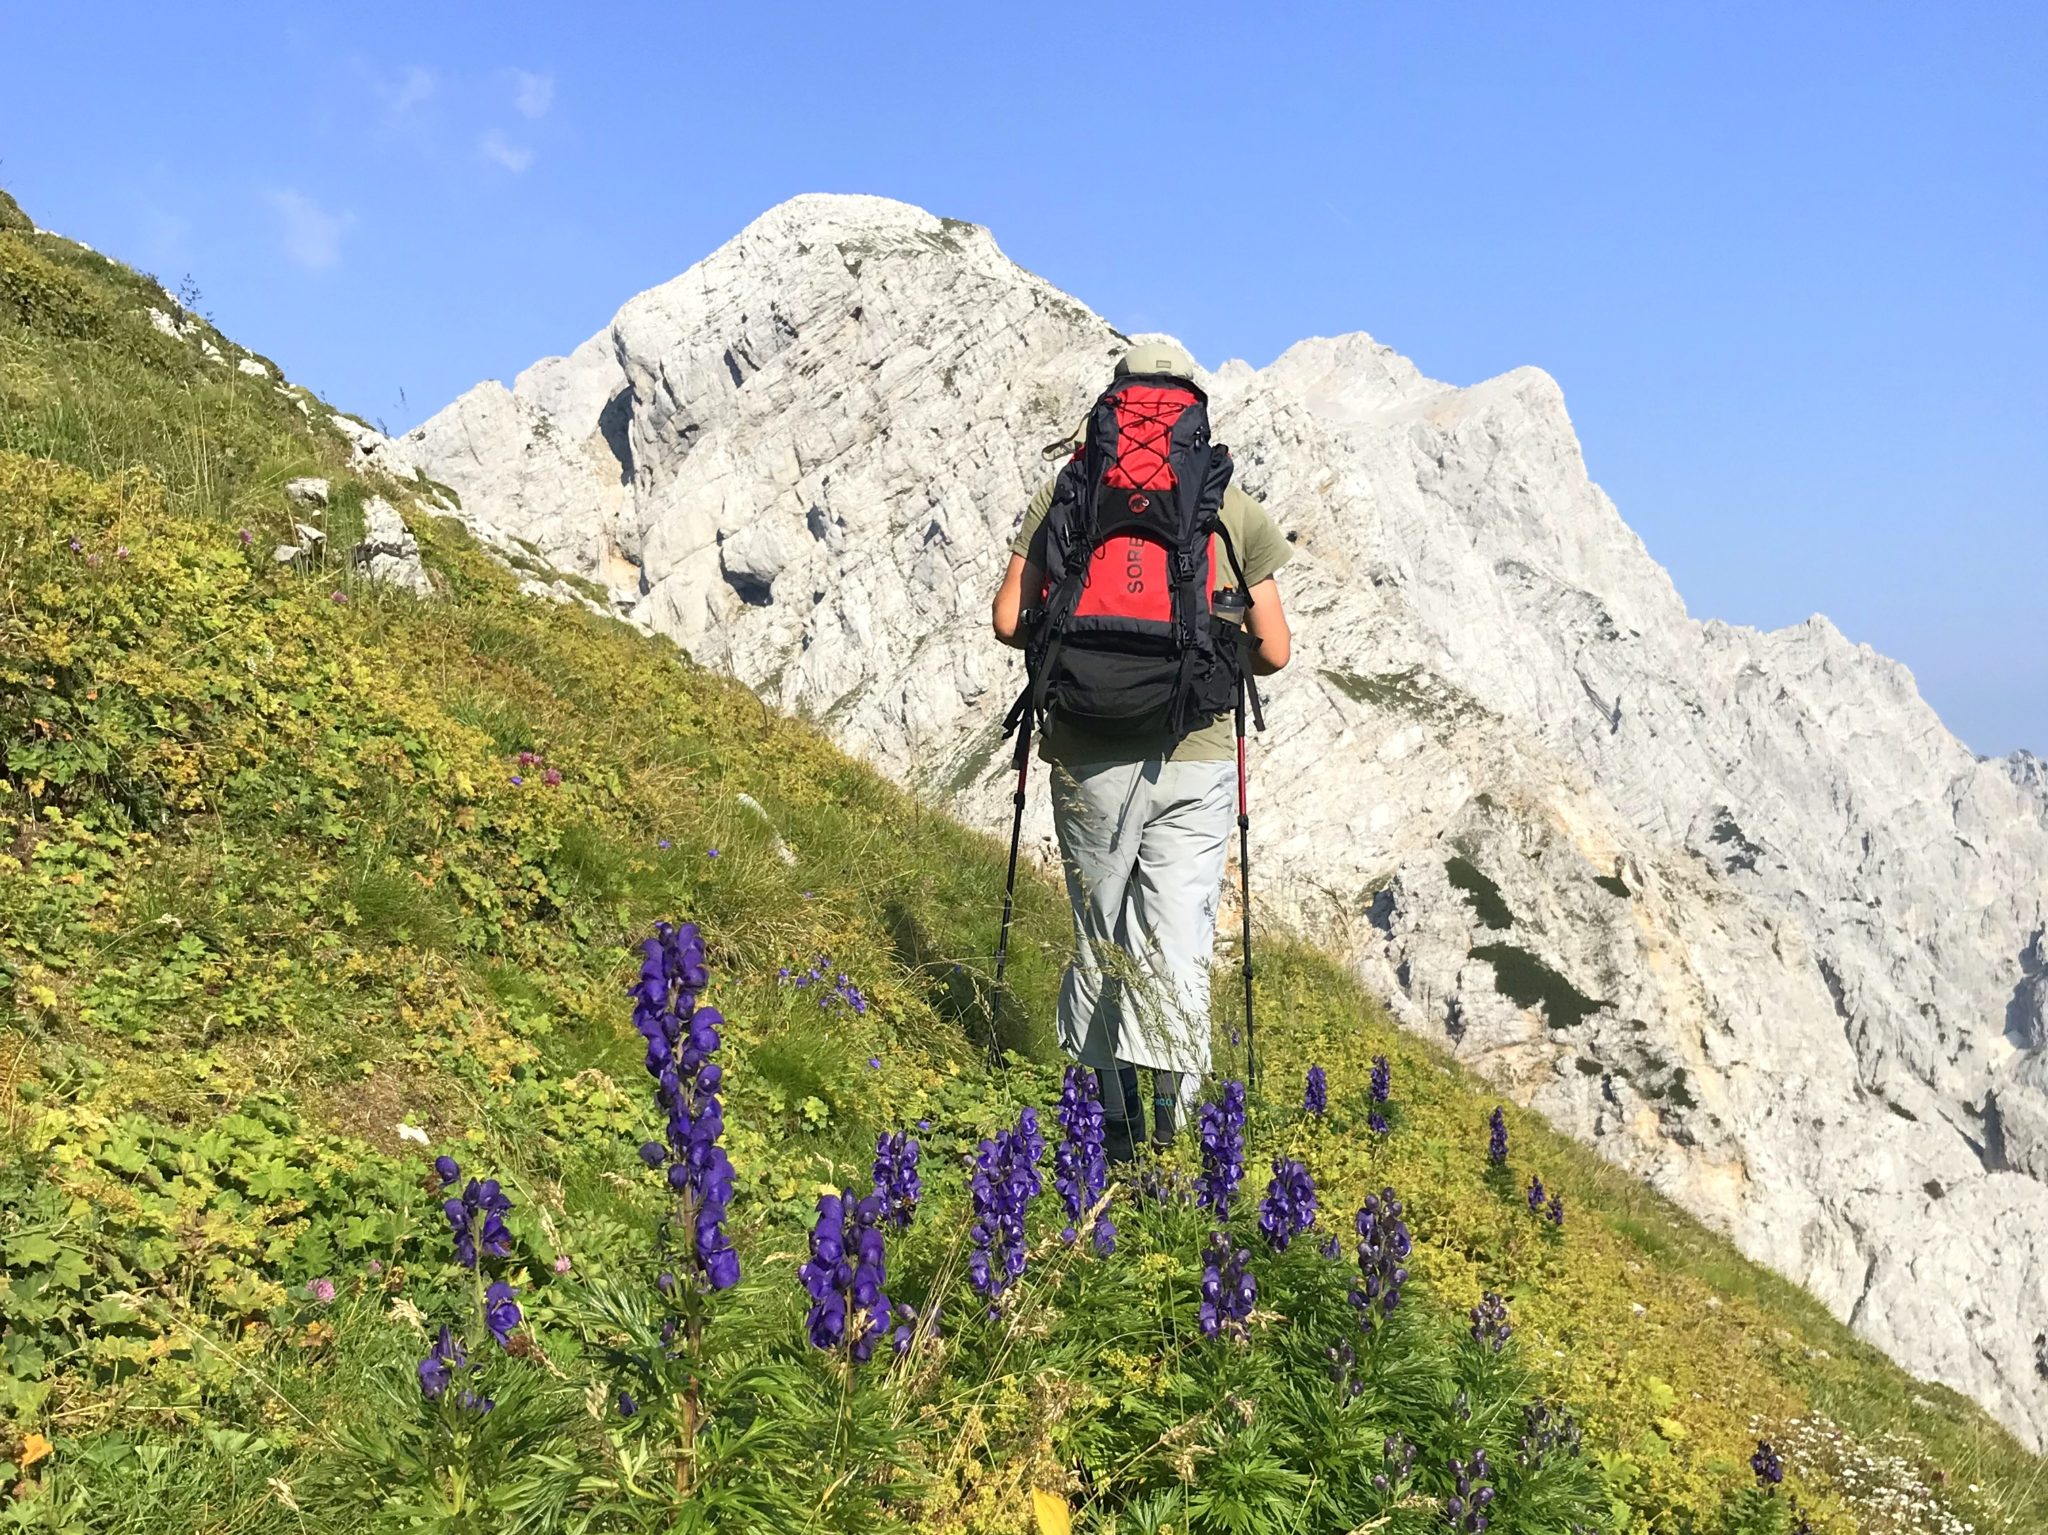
(305, 882)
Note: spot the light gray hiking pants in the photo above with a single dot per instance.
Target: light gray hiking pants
(1143, 844)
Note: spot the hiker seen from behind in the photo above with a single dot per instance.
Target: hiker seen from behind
(1141, 589)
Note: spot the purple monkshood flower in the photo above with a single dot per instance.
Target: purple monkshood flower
(1556, 1210)
(1769, 1469)
(1490, 1327)
(449, 1169)
(1228, 1290)
(895, 1177)
(1315, 1094)
(1383, 1248)
(627, 1406)
(1376, 1122)
(1289, 1207)
(1497, 1137)
(681, 1040)
(845, 1275)
(905, 1330)
(1536, 1196)
(1382, 1079)
(1001, 1187)
(1399, 1455)
(1472, 1481)
(1222, 1135)
(443, 1363)
(1080, 1167)
(477, 1218)
(501, 1312)
(841, 992)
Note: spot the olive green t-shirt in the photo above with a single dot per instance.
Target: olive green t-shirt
(1262, 551)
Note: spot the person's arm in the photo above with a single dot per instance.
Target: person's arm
(1007, 614)
(1267, 624)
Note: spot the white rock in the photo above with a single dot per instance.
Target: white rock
(803, 460)
(389, 554)
(252, 367)
(371, 449)
(308, 490)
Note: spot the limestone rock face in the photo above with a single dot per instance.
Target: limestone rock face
(1732, 906)
(389, 555)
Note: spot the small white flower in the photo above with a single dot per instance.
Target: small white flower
(412, 1133)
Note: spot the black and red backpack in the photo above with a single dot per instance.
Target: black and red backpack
(1125, 640)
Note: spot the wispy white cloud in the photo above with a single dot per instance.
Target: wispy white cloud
(311, 235)
(532, 94)
(513, 157)
(403, 95)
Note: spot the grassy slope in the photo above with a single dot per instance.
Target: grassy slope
(267, 890)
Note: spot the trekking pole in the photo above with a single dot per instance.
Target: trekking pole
(1016, 835)
(1244, 875)
(1233, 607)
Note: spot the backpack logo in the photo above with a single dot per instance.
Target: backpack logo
(1139, 505)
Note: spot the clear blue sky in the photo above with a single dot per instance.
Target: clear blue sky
(1787, 260)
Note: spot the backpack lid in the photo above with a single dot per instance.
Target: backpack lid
(1161, 358)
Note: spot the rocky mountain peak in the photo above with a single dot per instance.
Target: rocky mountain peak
(1733, 906)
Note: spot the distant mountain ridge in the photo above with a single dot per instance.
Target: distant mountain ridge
(1733, 906)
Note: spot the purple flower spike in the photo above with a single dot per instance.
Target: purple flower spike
(681, 1039)
(1490, 1326)
(1472, 1480)
(1315, 1095)
(1497, 1137)
(1536, 1196)
(1228, 1290)
(477, 1220)
(1769, 1468)
(1289, 1207)
(1222, 1135)
(1383, 1248)
(1001, 1187)
(1382, 1079)
(896, 1180)
(1080, 1166)
(845, 1274)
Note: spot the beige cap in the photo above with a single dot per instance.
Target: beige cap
(1156, 357)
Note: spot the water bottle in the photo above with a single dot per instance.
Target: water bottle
(1228, 604)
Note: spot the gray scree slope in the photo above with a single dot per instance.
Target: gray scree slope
(1763, 930)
